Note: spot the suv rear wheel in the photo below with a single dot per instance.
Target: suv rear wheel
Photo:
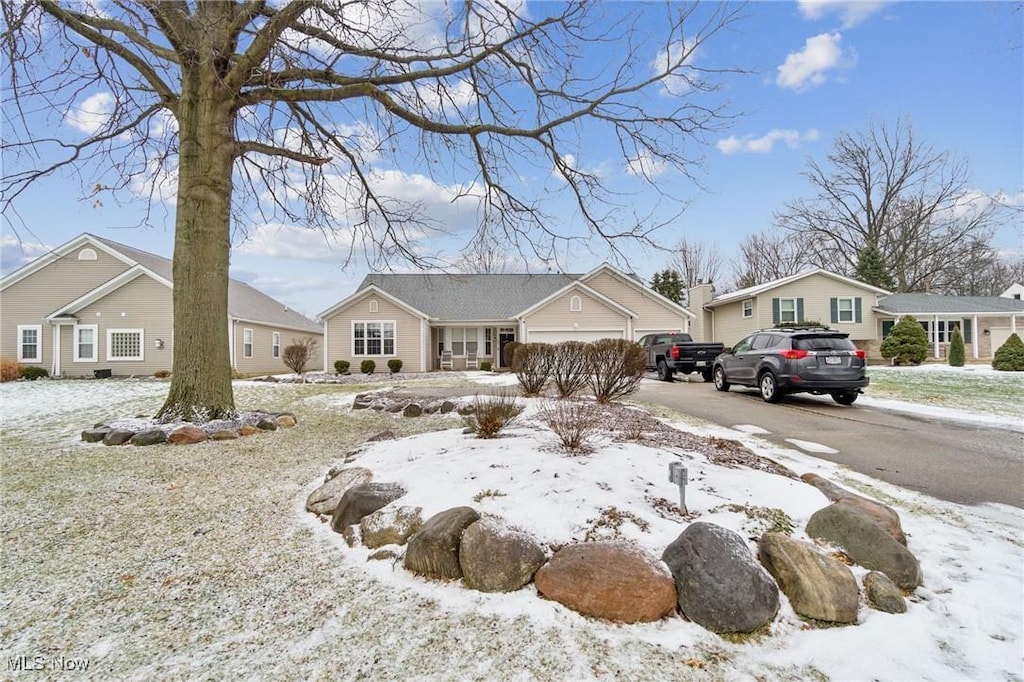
(720, 383)
(845, 397)
(770, 392)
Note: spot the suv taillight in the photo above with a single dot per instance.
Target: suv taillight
(794, 354)
(860, 353)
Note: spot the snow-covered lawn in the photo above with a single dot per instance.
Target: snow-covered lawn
(200, 562)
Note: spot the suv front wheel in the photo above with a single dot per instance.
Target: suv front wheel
(769, 387)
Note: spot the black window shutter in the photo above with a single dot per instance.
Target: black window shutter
(834, 305)
(857, 317)
(775, 311)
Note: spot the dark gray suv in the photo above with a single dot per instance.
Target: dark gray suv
(814, 360)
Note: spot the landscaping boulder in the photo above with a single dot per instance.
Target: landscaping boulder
(446, 406)
(361, 401)
(149, 437)
(390, 526)
(224, 434)
(433, 551)
(882, 514)
(247, 430)
(495, 558)
(95, 435)
(817, 586)
(286, 421)
(363, 499)
(720, 585)
(117, 437)
(866, 543)
(324, 500)
(386, 434)
(412, 410)
(883, 595)
(186, 435)
(611, 580)
(266, 424)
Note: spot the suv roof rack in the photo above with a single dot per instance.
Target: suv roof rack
(798, 328)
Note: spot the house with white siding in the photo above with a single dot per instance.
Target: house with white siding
(421, 318)
(93, 306)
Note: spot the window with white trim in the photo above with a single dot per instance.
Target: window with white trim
(85, 336)
(247, 343)
(844, 308)
(30, 343)
(275, 344)
(373, 338)
(787, 311)
(125, 344)
(488, 342)
(748, 308)
(463, 340)
(374, 306)
(575, 304)
(942, 330)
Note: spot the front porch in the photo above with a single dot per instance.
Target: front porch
(487, 341)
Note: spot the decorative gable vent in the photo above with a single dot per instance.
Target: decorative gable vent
(87, 254)
(373, 305)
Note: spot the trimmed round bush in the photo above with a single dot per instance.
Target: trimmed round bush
(907, 342)
(341, 366)
(31, 372)
(395, 365)
(367, 366)
(532, 365)
(616, 368)
(485, 366)
(1010, 356)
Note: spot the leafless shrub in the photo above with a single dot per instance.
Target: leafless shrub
(616, 368)
(298, 354)
(532, 365)
(569, 367)
(492, 413)
(10, 370)
(575, 422)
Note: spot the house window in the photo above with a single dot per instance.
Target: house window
(124, 344)
(942, 331)
(275, 345)
(440, 341)
(575, 304)
(30, 343)
(844, 309)
(373, 338)
(463, 340)
(87, 254)
(488, 332)
(247, 345)
(373, 306)
(748, 308)
(85, 343)
(787, 311)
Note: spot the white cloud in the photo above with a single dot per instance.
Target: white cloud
(15, 253)
(764, 144)
(91, 115)
(646, 165)
(851, 12)
(809, 67)
(672, 58)
(300, 243)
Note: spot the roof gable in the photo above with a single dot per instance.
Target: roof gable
(577, 286)
(754, 291)
(640, 286)
(373, 289)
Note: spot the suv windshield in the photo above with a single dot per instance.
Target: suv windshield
(823, 343)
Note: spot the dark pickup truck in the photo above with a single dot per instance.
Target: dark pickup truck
(671, 353)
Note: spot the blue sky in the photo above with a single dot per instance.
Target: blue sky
(954, 70)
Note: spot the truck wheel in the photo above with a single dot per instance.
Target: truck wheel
(770, 392)
(706, 374)
(720, 383)
(664, 373)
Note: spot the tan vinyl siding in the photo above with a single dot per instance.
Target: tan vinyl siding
(31, 299)
(143, 304)
(262, 360)
(408, 338)
(650, 311)
(593, 314)
(730, 326)
(817, 292)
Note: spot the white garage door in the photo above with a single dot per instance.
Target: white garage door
(556, 335)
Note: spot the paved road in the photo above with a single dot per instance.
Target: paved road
(964, 463)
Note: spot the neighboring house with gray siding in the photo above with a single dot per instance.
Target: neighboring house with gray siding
(94, 304)
(418, 317)
(866, 312)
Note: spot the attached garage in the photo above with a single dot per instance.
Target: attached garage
(558, 335)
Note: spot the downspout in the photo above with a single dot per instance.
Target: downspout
(231, 338)
(327, 346)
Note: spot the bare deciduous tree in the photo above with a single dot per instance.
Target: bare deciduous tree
(882, 186)
(296, 104)
(698, 262)
(766, 256)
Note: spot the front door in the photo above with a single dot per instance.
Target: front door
(506, 335)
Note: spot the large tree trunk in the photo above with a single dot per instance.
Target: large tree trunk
(201, 381)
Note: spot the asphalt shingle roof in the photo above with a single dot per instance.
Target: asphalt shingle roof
(469, 297)
(921, 304)
(244, 302)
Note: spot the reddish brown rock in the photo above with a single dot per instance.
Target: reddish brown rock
(286, 421)
(247, 430)
(611, 580)
(186, 435)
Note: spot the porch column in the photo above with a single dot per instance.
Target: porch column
(55, 362)
(975, 339)
(935, 336)
(426, 344)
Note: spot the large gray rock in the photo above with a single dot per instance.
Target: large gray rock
(433, 551)
(390, 526)
(95, 435)
(817, 586)
(866, 543)
(720, 585)
(884, 515)
(149, 437)
(363, 499)
(611, 580)
(412, 410)
(883, 595)
(495, 558)
(324, 500)
(117, 437)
